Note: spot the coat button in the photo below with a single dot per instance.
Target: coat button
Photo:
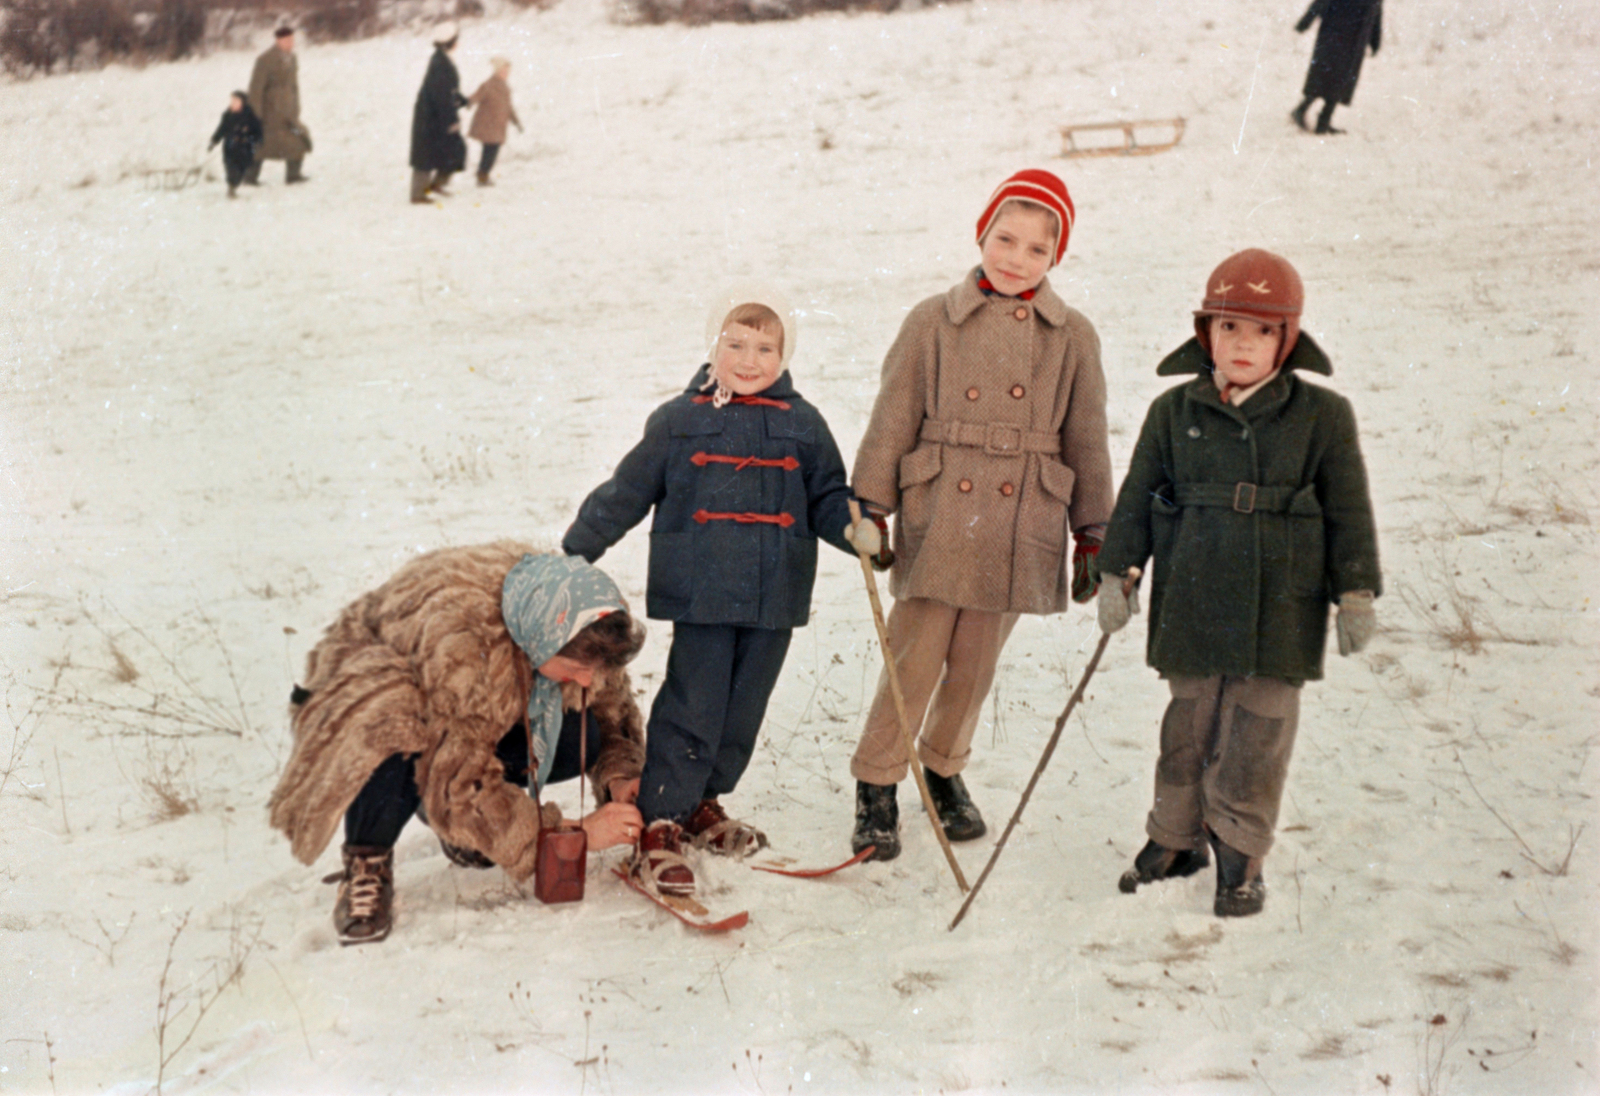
(1007, 490)
(972, 393)
(1244, 435)
(1017, 391)
(1021, 313)
(964, 486)
(1194, 431)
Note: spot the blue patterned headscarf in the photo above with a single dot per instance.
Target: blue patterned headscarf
(546, 601)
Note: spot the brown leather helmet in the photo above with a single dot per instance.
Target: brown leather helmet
(1256, 284)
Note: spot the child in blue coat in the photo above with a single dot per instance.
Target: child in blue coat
(744, 477)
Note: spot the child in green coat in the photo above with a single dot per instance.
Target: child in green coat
(1248, 489)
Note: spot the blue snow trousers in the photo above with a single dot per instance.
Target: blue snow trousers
(705, 719)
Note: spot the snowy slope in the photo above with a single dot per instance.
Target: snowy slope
(220, 421)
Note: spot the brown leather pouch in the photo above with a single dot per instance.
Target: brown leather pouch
(563, 863)
(563, 860)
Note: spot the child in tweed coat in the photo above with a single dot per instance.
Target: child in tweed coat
(988, 443)
(744, 479)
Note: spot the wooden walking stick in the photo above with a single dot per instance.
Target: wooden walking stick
(900, 706)
(1049, 748)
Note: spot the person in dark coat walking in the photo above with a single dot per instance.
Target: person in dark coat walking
(438, 150)
(1248, 488)
(1348, 28)
(744, 478)
(239, 133)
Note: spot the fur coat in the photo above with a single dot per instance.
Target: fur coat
(424, 665)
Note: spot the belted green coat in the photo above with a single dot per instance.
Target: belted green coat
(1257, 517)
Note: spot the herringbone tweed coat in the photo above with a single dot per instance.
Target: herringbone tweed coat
(988, 439)
(424, 665)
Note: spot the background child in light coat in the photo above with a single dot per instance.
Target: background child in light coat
(1248, 488)
(744, 478)
(988, 443)
(494, 110)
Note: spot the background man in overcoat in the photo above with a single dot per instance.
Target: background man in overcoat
(438, 149)
(1348, 28)
(275, 95)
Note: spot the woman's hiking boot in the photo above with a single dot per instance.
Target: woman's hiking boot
(1241, 887)
(877, 821)
(958, 814)
(1156, 862)
(658, 863)
(713, 830)
(364, 911)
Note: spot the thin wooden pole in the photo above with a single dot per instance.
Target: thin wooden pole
(900, 707)
(1050, 748)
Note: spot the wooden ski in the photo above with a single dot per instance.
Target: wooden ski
(783, 865)
(687, 910)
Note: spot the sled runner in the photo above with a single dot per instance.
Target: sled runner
(1130, 145)
(783, 865)
(687, 910)
(172, 178)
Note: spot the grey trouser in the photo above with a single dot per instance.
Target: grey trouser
(935, 647)
(1225, 746)
(422, 180)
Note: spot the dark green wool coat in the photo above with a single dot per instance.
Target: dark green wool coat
(1257, 516)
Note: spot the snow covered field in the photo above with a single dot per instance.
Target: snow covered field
(220, 421)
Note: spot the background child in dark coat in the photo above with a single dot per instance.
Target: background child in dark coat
(239, 133)
(1248, 488)
(744, 477)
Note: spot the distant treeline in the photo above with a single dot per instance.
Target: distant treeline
(46, 36)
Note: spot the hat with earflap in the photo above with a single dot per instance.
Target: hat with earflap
(725, 303)
(1257, 285)
(1041, 188)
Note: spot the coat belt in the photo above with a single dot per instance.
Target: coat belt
(1246, 498)
(995, 438)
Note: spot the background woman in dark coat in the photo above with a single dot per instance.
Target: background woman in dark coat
(1348, 28)
(437, 148)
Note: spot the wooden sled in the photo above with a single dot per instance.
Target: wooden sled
(172, 178)
(1130, 145)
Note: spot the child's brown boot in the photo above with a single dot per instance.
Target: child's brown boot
(364, 911)
(713, 830)
(658, 862)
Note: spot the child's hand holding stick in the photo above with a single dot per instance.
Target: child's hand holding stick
(1126, 590)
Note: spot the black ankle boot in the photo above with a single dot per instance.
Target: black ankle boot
(957, 812)
(877, 820)
(1159, 862)
(1241, 887)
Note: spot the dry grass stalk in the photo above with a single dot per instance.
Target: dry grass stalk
(1527, 853)
(199, 996)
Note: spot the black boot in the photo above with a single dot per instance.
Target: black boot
(1241, 887)
(958, 814)
(364, 911)
(293, 174)
(1159, 862)
(1298, 114)
(877, 820)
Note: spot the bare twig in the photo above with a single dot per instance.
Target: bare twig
(173, 1001)
(1527, 853)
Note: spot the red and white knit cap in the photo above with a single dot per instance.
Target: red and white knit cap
(1257, 285)
(1041, 188)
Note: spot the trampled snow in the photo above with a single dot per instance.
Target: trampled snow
(222, 420)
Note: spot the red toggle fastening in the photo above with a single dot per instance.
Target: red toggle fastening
(788, 464)
(755, 401)
(785, 520)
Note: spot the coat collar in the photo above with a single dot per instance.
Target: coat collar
(965, 298)
(1192, 358)
(780, 389)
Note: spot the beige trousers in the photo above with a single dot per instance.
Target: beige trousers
(1225, 746)
(944, 654)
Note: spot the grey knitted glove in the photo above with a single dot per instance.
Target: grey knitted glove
(1115, 607)
(1355, 621)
